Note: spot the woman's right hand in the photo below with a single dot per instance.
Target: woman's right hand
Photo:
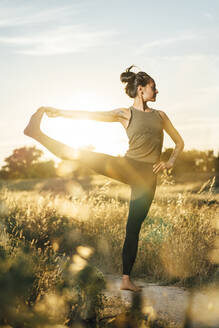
(52, 112)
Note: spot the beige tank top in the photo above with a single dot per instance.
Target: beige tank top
(145, 133)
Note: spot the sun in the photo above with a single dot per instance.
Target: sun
(98, 136)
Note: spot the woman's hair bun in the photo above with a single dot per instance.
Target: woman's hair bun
(127, 76)
(133, 80)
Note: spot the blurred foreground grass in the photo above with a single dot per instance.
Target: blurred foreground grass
(59, 237)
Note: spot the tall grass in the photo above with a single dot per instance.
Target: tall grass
(55, 248)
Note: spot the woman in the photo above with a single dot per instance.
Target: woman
(138, 167)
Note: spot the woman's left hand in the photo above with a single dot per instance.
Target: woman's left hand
(161, 166)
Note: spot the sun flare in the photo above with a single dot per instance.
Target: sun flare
(101, 137)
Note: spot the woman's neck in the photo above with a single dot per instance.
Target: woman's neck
(141, 105)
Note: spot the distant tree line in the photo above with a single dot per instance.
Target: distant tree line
(194, 164)
(26, 162)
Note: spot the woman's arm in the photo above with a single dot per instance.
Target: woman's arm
(106, 116)
(176, 137)
(179, 144)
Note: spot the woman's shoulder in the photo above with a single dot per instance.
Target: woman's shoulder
(162, 115)
(123, 112)
(161, 112)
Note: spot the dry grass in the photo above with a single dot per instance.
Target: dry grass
(178, 240)
(175, 239)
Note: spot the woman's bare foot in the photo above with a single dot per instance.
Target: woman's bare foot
(127, 284)
(33, 127)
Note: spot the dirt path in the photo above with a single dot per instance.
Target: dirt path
(166, 302)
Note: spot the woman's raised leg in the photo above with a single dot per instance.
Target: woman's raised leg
(57, 148)
(119, 168)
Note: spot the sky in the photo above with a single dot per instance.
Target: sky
(70, 54)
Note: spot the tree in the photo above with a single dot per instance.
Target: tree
(24, 163)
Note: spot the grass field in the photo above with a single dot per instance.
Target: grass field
(57, 232)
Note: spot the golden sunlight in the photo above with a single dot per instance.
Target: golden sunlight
(100, 136)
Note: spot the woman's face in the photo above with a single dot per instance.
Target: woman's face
(149, 91)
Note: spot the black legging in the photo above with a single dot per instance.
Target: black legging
(142, 180)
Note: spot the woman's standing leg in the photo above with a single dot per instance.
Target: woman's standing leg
(140, 203)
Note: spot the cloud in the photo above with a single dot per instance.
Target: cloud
(23, 15)
(165, 42)
(208, 15)
(60, 40)
(37, 30)
(48, 31)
